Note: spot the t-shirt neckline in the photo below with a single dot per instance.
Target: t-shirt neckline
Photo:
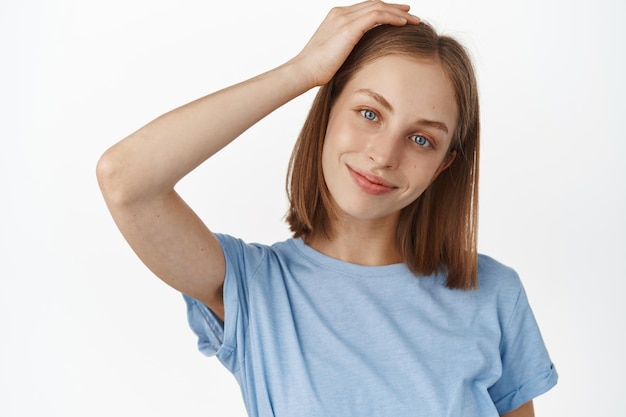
(347, 267)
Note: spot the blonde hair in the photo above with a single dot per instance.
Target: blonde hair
(438, 231)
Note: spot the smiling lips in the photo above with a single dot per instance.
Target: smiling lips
(369, 183)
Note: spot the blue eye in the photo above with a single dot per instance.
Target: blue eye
(368, 114)
(421, 140)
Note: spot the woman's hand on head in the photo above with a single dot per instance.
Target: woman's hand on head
(342, 28)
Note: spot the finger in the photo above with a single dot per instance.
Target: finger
(377, 12)
(376, 15)
(369, 3)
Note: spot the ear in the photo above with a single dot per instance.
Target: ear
(447, 161)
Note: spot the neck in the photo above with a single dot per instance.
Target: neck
(362, 242)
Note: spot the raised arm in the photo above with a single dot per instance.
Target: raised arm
(137, 178)
(137, 175)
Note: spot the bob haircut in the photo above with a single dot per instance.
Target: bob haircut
(438, 231)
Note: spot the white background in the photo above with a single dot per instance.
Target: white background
(86, 330)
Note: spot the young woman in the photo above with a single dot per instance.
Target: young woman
(380, 304)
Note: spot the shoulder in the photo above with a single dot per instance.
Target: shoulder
(499, 285)
(494, 275)
(504, 288)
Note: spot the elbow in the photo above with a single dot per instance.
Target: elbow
(110, 175)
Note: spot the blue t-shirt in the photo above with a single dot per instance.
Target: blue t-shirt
(308, 335)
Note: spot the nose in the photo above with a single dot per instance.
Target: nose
(385, 150)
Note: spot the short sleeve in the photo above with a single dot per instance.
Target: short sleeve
(527, 370)
(207, 326)
(221, 338)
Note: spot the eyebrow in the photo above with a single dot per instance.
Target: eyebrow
(380, 99)
(383, 102)
(434, 123)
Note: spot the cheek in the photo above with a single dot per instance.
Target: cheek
(344, 133)
(334, 146)
(422, 168)
(422, 172)
(329, 159)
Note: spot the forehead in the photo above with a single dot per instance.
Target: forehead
(413, 86)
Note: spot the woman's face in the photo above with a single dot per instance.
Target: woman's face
(388, 136)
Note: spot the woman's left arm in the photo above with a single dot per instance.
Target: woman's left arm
(525, 410)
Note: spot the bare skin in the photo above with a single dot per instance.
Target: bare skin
(377, 134)
(137, 175)
(526, 410)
